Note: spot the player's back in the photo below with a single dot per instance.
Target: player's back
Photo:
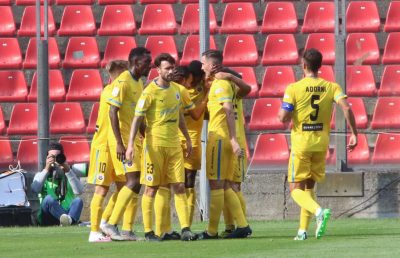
(103, 121)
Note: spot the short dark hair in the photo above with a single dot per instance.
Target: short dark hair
(195, 69)
(214, 55)
(312, 58)
(55, 146)
(163, 57)
(182, 71)
(136, 52)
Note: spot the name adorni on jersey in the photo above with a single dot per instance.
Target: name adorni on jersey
(315, 89)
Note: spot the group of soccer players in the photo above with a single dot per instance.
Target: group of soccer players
(149, 134)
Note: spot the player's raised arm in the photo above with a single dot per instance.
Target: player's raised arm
(233, 76)
(349, 116)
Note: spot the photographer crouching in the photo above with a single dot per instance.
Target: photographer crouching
(57, 185)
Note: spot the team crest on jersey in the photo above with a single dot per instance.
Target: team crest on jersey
(115, 91)
(149, 178)
(177, 96)
(199, 89)
(100, 177)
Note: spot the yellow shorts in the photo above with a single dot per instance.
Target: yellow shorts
(193, 162)
(219, 159)
(162, 165)
(120, 167)
(101, 170)
(239, 169)
(306, 165)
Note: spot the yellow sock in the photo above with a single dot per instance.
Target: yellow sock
(305, 215)
(182, 209)
(147, 212)
(130, 213)
(95, 212)
(304, 200)
(124, 197)
(216, 205)
(233, 203)
(161, 203)
(110, 207)
(228, 218)
(242, 202)
(166, 226)
(191, 196)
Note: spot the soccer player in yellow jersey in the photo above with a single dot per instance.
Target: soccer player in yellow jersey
(162, 156)
(308, 103)
(222, 148)
(124, 95)
(101, 171)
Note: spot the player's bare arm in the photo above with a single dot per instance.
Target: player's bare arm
(230, 118)
(183, 128)
(200, 108)
(284, 115)
(349, 116)
(244, 88)
(117, 132)
(130, 150)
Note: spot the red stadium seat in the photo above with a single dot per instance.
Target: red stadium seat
(82, 52)
(7, 23)
(85, 85)
(362, 46)
(391, 54)
(76, 148)
(10, 54)
(190, 19)
(197, 1)
(77, 20)
(264, 115)
(326, 72)
(111, 2)
(118, 48)
(74, 2)
(27, 152)
(2, 123)
(240, 50)
(232, 1)
(387, 149)
(359, 156)
(325, 43)
(66, 118)
(249, 76)
(239, 18)
(13, 86)
(360, 81)
(191, 49)
(393, 17)
(56, 87)
(362, 16)
(23, 119)
(279, 17)
(117, 20)
(386, 115)
(6, 154)
(280, 49)
(31, 2)
(319, 17)
(161, 44)
(360, 114)
(271, 149)
(31, 54)
(158, 19)
(276, 79)
(390, 83)
(157, 1)
(152, 74)
(5, 2)
(91, 128)
(28, 22)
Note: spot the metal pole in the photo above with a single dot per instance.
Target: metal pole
(204, 45)
(43, 90)
(340, 72)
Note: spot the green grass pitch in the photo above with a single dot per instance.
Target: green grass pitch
(344, 238)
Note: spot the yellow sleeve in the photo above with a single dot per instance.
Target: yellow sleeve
(187, 103)
(288, 97)
(117, 94)
(223, 91)
(143, 104)
(338, 93)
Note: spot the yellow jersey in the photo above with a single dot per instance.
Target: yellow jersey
(103, 121)
(221, 91)
(161, 107)
(310, 100)
(124, 94)
(194, 127)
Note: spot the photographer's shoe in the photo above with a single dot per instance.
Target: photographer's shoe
(98, 237)
(112, 232)
(65, 220)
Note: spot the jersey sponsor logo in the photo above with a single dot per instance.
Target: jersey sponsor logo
(313, 127)
(115, 91)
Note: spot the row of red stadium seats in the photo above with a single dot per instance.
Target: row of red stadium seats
(104, 2)
(279, 17)
(239, 50)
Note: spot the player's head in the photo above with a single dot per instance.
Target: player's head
(312, 60)
(182, 75)
(210, 59)
(196, 72)
(165, 64)
(140, 61)
(116, 67)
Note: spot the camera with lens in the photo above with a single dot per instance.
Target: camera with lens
(56, 171)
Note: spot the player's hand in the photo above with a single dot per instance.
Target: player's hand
(129, 154)
(51, 159)
(121, 152)
(236, 148)
(189, 148)
(222, 76)
(216, 69)
(352, 142)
